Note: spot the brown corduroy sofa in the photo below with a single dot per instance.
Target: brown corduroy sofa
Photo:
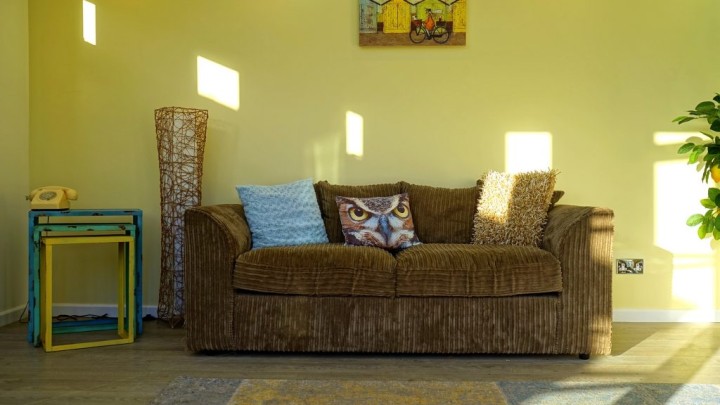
(443, 296)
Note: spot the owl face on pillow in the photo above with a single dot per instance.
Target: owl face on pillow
(384, 222)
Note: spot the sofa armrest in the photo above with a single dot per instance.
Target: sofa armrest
(214, 236)
(582, 239)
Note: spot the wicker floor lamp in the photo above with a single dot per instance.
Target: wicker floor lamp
(181, 145)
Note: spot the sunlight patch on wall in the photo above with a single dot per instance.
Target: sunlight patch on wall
(528, 151)
(89, 22)
(354, 134)
(693, 285)
(218, 83)
(678, 190)
(673, 138)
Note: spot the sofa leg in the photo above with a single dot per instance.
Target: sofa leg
(584, 356)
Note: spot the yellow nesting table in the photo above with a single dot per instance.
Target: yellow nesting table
(126, 291)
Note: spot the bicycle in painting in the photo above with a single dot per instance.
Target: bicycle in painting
(429, 29)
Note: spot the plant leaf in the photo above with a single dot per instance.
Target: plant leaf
(701, 231)
(706, 107)
(713, 192)
(716, 234)
(715, 126)
(686, 148)
(683, 119)
(717, 223)
(695, 219)
(695, 154)
(708, 203)
(709, 221)
(717, 98)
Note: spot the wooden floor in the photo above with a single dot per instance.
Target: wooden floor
(135, 373)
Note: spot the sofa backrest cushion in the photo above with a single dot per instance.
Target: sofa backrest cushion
(442, 215)
(329, 209)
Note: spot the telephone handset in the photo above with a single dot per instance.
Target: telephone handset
(51, 198)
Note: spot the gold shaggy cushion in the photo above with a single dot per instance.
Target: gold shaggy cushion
(512, 209)
(556, 195)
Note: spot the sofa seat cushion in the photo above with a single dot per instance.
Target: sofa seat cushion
(321, 270)
(464, 270)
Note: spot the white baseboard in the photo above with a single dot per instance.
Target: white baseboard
(11, 315)
(669, 315)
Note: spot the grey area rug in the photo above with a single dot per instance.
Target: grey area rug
(191, 390)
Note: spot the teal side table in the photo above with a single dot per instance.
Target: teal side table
(128, 221)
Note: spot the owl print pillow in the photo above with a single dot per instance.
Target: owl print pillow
(384, 222)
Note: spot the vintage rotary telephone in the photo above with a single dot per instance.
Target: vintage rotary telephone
(51, 198)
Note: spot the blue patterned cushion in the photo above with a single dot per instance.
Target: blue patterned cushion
(283, 215)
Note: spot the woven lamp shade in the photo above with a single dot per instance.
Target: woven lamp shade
(181, 145)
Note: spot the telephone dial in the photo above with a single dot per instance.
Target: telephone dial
(51, 198)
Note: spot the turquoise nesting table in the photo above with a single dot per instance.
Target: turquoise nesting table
(85, 224)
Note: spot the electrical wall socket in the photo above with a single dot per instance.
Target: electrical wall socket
(630, 266)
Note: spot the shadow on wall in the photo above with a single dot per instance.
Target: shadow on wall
(326, 158)
(326, 155)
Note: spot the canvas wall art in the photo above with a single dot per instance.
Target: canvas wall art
(412, 22)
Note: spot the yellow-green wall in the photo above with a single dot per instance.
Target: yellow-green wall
(601, 76)
(14, 134)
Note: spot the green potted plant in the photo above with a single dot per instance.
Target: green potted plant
(707, 154)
